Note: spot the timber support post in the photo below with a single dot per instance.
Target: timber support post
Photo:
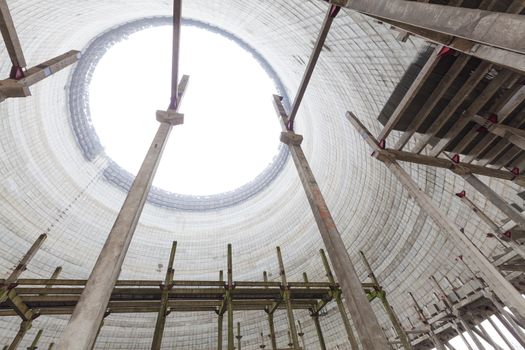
(229, 303)
(34, 344)
(163, 311)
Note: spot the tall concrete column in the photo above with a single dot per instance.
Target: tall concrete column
(367, 326)
(461, 335)
(238, 336)
(287, 301)
(220, 319)
(82, 328)
(271, 325)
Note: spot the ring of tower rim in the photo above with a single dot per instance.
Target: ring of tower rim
(91, 147)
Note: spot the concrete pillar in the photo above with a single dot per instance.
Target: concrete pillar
(89, 311)
(271, 325)
(239, 336)
(24, 327)
(483, 334)
(34, 344)
(472, 335)
(500, 333)
(403, 337)
(367, 326)
(231, 345)
(319, 331)
(163, 311)
(287, 300)
(470, 253)
(338, 300)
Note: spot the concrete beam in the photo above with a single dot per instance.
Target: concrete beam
(471, 254)
(513, 135)
(496, 29)
(11, 40)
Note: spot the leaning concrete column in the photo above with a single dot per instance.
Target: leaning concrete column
(229, 303)
(87, 315)
(403, 337)
(471, 254)
(287, 301)
(161, 317)
(368, 329)
(513, 328)
(24, 327)
(34, 344)
(340, 306)
(473, 336)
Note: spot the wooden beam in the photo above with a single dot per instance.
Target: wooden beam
(12, 43)
(411, 93)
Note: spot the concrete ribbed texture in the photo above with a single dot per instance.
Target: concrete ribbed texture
(42, 171)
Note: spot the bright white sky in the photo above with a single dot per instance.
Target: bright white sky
(230, 133)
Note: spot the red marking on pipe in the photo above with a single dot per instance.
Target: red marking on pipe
(493, 118)
(507, 234)
(445, 51)
(16, 73)
(334, 10)
(382, 144)
(482, 129)
(461, 194)
(455, 158)
(516, 171)
(460, 257)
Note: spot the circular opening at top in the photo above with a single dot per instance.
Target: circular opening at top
(230, 132)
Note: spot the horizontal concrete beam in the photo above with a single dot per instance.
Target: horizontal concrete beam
(496, 29)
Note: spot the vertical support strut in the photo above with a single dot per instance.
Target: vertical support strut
(34, 344)
(403, 337)
(471, 255)
(220, 318)
(500, 333)
(229, 289)
(239, 336)
(163, 311)
(338, 300)
(368, 329)
(319, 331)
(271, 325)
(286, 296)
(301, 334)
